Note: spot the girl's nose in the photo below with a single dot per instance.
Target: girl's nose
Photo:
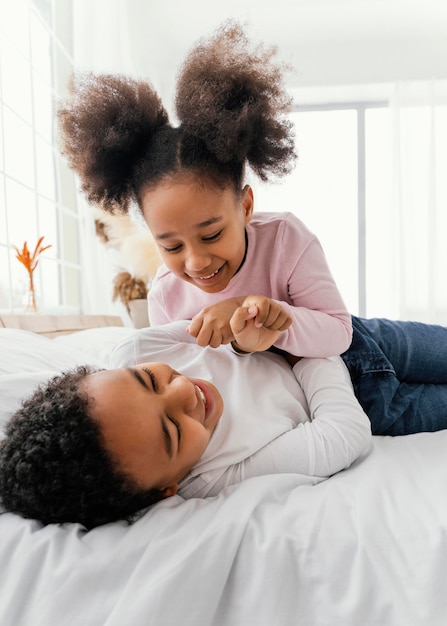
(196, 260)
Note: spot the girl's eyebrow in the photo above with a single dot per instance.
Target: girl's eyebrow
(212, 220)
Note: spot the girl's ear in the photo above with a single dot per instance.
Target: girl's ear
(248, 202)
(169, 491)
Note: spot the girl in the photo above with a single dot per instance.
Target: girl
(188, 182)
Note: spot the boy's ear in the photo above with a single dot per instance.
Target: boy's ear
(169, 491)
(248, 202)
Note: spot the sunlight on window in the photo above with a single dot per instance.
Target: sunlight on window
(19, 148)
(41, 49)
(381, 247)
(322, 191)
(406, 215)
(17, 94)
(43, 107)
(46, 181)
(405, 195)
(22, 216)
(48, 223)
(38, 195)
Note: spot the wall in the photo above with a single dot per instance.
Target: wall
(328, 42)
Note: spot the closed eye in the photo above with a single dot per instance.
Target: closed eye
(152, 377)
(213, 237)
(178, 427)
(173, 249)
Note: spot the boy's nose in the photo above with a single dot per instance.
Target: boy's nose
(183, 393)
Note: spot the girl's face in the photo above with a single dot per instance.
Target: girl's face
(155, 422)
(200, 231)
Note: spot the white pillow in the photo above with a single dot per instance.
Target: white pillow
(96, 342)
(16, 387)
(27, 359)
(24, 351)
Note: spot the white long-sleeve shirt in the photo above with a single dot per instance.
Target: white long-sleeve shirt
(275, 419)
(285, 262)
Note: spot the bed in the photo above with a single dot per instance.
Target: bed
(365, 547)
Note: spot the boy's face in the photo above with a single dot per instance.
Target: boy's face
(155, 422)
(199, 230)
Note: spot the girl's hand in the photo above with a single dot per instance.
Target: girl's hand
(249, 336)
(270, 314)
(211, 327)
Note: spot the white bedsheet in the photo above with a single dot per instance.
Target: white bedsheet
(365, 547)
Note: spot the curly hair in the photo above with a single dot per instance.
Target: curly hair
(231, 104)
(54, 466)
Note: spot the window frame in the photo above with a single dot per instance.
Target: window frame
(62, 285)
(360, 108)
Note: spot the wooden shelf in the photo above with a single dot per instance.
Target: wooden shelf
(54, 325)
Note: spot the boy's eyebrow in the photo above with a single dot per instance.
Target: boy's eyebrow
(212, 220)
(166, 436)
(136, 374)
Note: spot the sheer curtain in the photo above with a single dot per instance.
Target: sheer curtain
(406, 213)
(102, 43)
(97, 271)
(419, 203)
(107, 38)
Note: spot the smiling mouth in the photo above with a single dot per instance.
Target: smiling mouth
(208, 276)
(202, 395)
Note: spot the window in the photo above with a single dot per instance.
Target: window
(323, 191)
(369, 183)
(37, 192)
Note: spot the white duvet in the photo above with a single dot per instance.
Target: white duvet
(365, 547)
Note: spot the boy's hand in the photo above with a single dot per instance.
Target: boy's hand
(249, 335)
(270, 314)
(211, 326)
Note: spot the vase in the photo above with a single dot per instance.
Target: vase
(30, 298)
(138, 312)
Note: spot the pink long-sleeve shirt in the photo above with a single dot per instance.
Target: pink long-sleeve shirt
(285, 262)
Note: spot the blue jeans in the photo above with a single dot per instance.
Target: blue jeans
(399, 374)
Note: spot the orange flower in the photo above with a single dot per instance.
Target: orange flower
(30, 261)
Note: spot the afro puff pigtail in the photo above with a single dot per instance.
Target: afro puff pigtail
(231, 95)
(106, 126)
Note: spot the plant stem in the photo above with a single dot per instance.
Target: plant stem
(32, 304)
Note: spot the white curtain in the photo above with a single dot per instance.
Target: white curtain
(419, 203)
(101, 43)
(408, 263)
(97, 271)
(114, 36)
